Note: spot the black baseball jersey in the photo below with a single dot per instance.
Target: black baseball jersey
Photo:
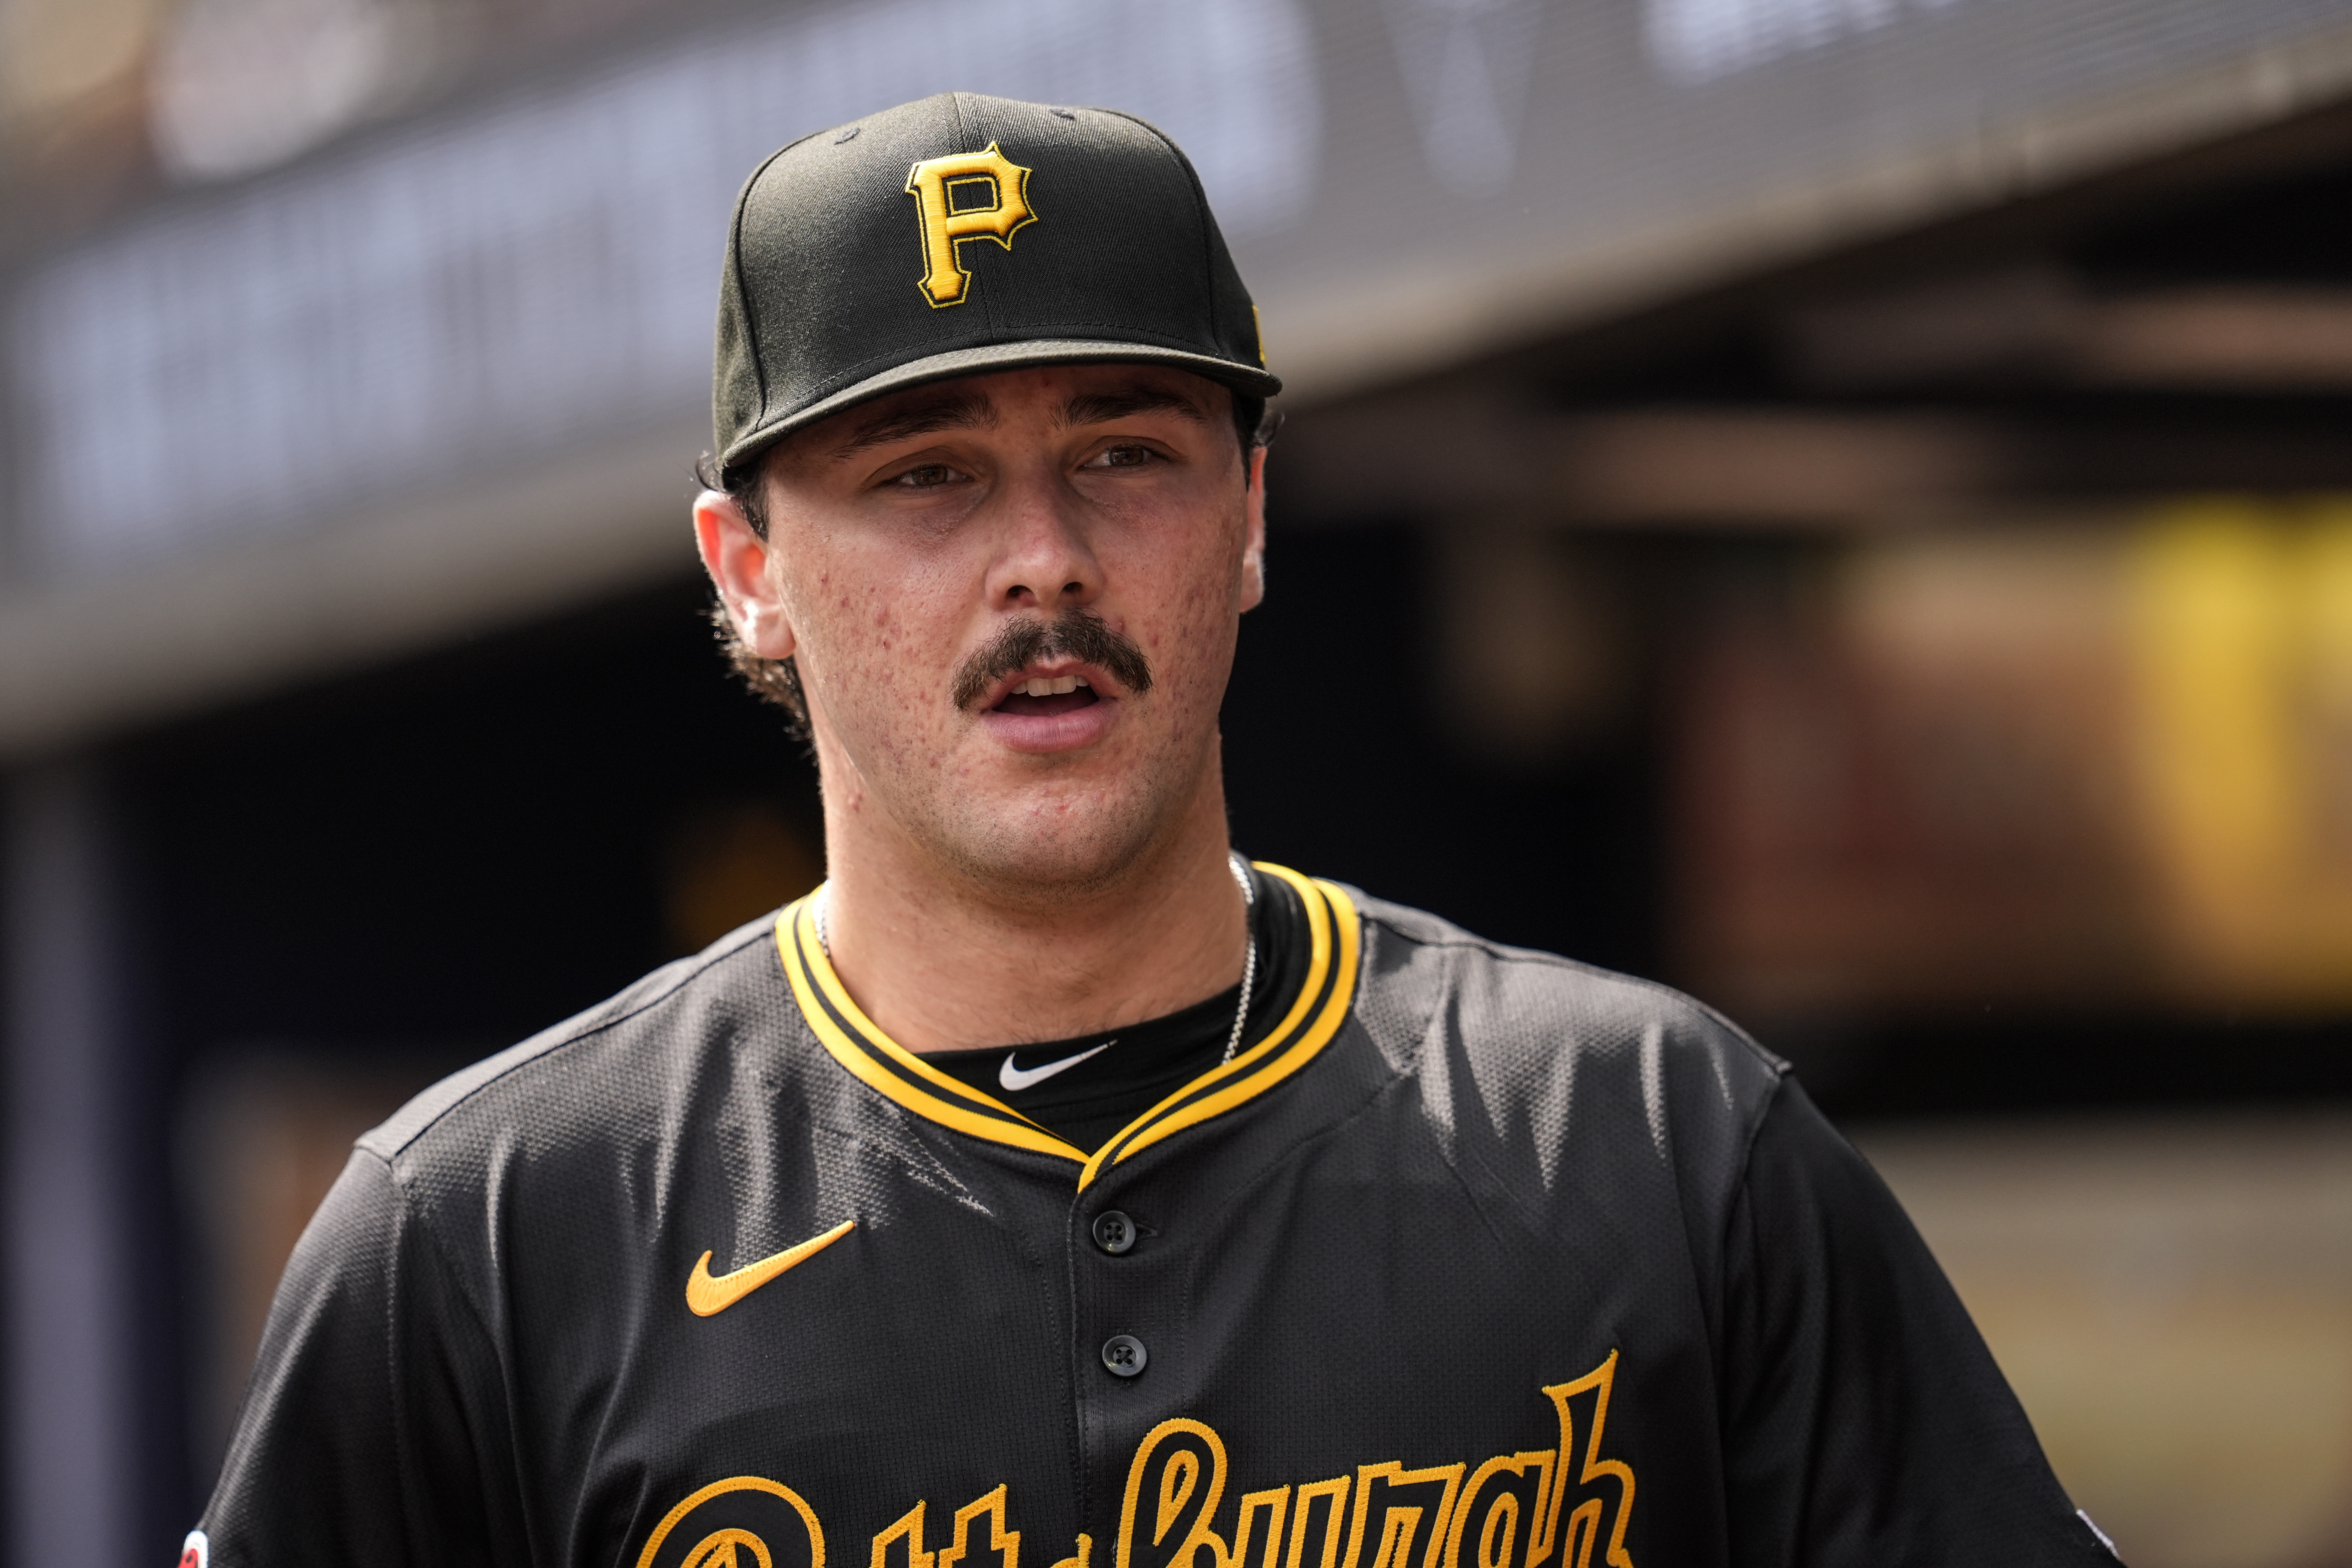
(1470, 1257)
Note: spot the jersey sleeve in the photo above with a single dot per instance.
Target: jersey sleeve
(371, 1432)
(1866, 1424)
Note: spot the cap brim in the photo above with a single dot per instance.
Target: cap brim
(983, 360)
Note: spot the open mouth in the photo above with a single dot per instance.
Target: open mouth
(1042, 697)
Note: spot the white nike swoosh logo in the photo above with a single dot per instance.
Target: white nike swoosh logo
(1018, 1078)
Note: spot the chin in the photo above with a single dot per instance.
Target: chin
(1051, 845)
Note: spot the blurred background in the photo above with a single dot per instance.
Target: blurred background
(1843, 505)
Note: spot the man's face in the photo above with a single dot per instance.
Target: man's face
(1013, 600)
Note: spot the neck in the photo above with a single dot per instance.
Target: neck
(941, 961)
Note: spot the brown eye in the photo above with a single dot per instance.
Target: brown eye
(926, 477)
(1122, 457)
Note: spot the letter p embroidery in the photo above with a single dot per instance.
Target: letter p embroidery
(967, 196)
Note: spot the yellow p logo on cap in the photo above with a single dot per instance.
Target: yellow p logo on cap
(967, 196)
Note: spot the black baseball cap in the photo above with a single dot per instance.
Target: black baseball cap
(960, 234)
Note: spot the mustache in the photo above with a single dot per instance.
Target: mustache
(1077, 634)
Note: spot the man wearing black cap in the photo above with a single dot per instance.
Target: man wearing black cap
(1051, 1184)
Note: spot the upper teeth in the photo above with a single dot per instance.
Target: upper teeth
(1040, 687)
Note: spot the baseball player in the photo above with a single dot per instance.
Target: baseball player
(1053, 1187)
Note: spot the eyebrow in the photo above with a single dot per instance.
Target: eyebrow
(1102, 407)
(955, 411)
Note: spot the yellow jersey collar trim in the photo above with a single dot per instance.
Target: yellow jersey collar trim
(880, 1061)
(1313, 1018)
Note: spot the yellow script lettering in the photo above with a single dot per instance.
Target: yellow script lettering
(1175, 1457)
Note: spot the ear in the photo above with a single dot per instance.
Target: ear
(738, 562)
(1253, 532)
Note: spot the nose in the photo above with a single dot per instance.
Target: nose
(1045, 561)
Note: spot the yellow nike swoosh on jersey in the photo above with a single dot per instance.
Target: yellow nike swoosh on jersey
(706, 1295)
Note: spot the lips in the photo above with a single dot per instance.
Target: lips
(1049, 686)
(1057, 706)
(1044, 696)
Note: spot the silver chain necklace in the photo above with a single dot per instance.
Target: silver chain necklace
(1233, 863)
(1249, 962)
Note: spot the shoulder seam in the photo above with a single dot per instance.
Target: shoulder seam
(1501, 954)
(1738, 1195)
(584, 1033)
(410, 1218)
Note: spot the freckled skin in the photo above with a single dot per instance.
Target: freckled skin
(982, 892)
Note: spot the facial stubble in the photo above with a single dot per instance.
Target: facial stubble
(1103, 843)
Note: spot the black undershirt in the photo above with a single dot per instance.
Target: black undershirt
(1142, 1064)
